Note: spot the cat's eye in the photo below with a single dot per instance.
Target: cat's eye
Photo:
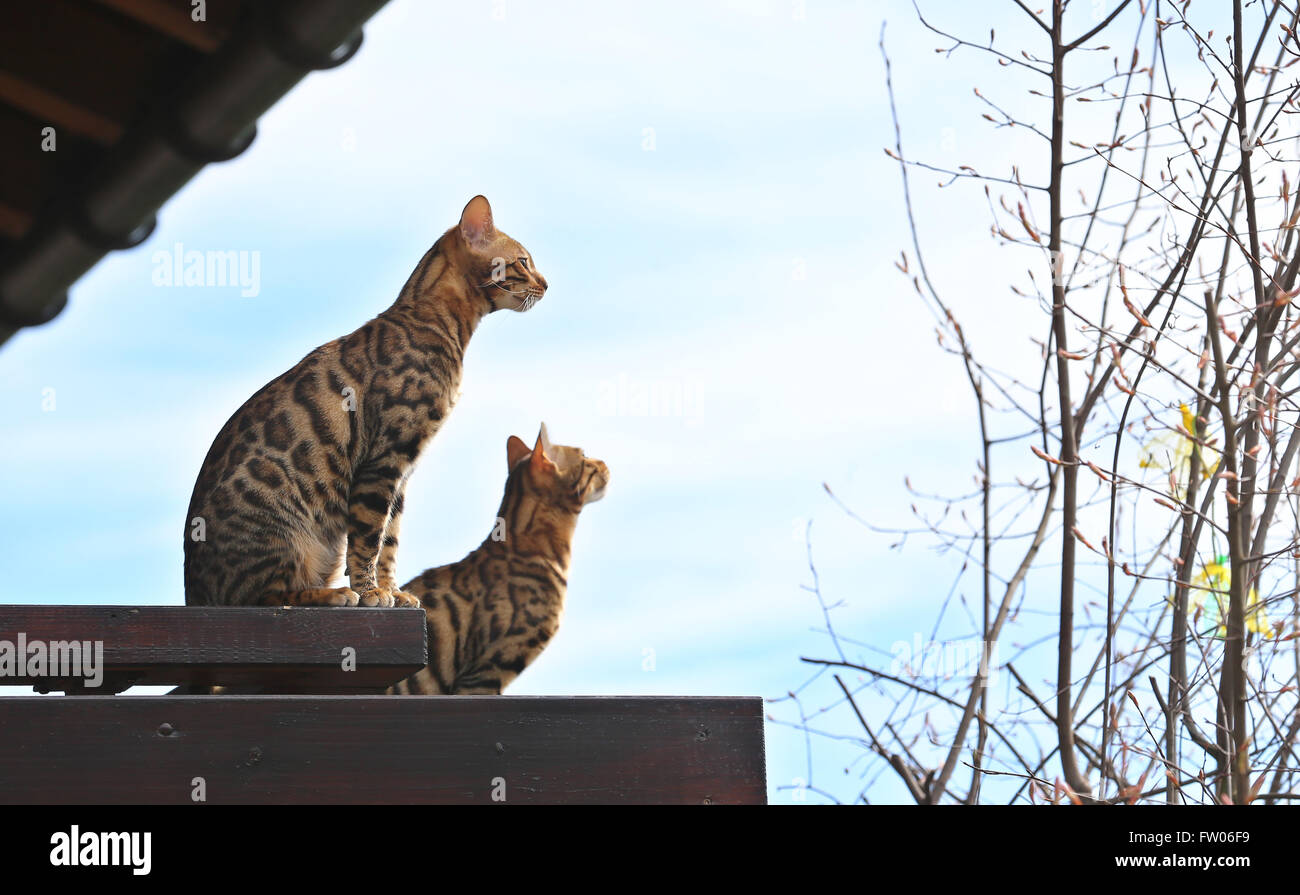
(523, 259)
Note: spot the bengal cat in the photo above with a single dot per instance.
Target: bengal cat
(307, 478)
(493, 612)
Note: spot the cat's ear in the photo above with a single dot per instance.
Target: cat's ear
(543, 440)
(516, 451)
(540, 462)
(476, 221)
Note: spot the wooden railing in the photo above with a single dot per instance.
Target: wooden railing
(320, 730)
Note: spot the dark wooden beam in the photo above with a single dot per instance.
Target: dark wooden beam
(175, 19)
(50, 108)
(13, 221)
(184, 109)
(381, 750)
(282, 649)
(31, 176)
(85, 68)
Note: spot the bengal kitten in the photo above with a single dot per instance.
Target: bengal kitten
(493, 612)
(308, 475)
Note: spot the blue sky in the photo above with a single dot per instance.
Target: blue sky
(704, 188)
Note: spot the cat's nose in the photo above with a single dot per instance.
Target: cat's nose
(541, 281)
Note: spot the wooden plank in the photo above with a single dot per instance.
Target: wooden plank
(32, 175)
(382, 750)
(83, 67)
(175, 19)
(49, 108)
(285, 649)
(13, 222)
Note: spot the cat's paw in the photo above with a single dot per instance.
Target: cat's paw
(340, 596)
(403, 600)
(378, 597)
(314, 596)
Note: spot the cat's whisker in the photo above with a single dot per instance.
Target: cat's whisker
(527, 297)
(512, 291)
